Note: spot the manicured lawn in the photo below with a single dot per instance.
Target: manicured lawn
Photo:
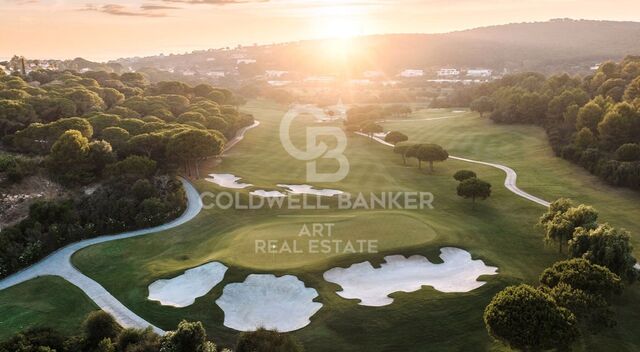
(47, 301)
(500, 230)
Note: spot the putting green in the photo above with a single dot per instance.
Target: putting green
(288, 243)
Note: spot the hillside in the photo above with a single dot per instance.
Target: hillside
(556, 45)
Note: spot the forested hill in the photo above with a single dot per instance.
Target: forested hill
(548, 47)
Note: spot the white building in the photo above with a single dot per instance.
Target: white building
(448, 72)
(218, 74)
(479, 73)
(412, 73)
(245, 61)
(188, 73)
(275, 73)
(278, 83)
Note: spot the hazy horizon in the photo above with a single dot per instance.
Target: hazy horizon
(111, 29)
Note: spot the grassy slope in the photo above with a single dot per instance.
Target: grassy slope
(500, 231)
(46, 301)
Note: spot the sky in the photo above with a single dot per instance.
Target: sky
(107, 29)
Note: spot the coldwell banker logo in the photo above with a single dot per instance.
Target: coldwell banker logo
(315, 148)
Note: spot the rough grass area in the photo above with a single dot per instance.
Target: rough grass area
(47, 301)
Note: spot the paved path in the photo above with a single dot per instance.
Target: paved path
(59, 263)
(509, 181)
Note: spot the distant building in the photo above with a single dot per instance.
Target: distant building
(245, 61)
(218, 74)
(448, 72)
(412, 73)
(278, 83)
(211, 59)
(595, 67)
(188, 73)
(275, 73)
(479, 73)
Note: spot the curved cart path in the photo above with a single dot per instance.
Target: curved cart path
(509, 181)
(59, 263)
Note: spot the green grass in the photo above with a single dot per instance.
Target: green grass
(46, 301)
(500, 230)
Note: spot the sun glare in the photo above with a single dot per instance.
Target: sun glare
(339, 27)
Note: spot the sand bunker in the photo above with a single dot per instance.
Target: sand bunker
(281, 303)
(228, 181)
(182, 291)
(308, 189)
(267, 194)
(372, 286)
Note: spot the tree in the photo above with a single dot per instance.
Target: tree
(464, 175)
(101, 154)
(370, 128)
(100, 325)
(136, 340)
(589, 116)
(606, 246)
(431, 153)
(585, 139)
(482, 105)
(402, 148)
(117, 137)
(68, 158)
(591, 310)
(133, 166)
(474, 188)
(561, 220)
(193, 145)
(263, 340)
(528, 319)
(188, 337)
(395, 137)
(150, 145)
(85, 100)
(620, 125)
(581, 274)
(628, 152)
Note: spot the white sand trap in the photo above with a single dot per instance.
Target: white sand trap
(372, 285)
(182, 291)
(267, 194)
(308, 189)
(458, 111)
(280, 303)
(228, 181)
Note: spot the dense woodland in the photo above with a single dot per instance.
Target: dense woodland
(114, 139)
(593, 121)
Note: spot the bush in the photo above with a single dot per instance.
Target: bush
(263, 340)
(628, 152)
(464, 175)
(100, 325)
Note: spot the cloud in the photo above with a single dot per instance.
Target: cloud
(149, 7)
(216, 2)
(145, 10)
